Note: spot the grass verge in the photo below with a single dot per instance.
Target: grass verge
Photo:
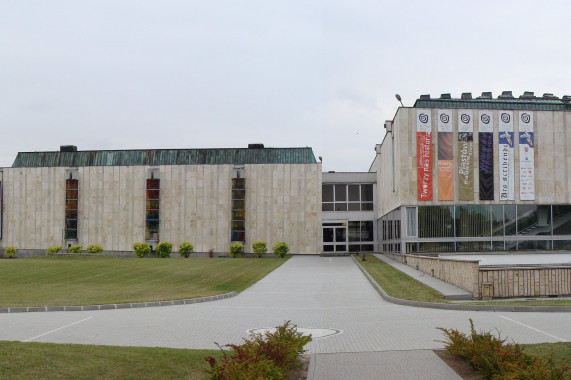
(85, 280)
(531, 302)
(73, 361)
(560, 352)
(397, 284)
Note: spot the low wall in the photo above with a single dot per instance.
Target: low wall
(463, 274)
(526, 282)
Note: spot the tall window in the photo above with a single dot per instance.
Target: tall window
(71, 198)
(238, 230)
(153, 202)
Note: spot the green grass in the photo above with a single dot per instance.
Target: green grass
(85, 280)
(71, 361)
(560, 352)
(397, 284)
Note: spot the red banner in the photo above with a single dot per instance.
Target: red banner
(424, 165)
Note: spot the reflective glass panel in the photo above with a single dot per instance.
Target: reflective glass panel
(327, 193)
(327, 207)
(561, 220)
(354, 206)
(366, 207)
(354, 231)
(509, 220)
(473, 221)
(497, 217)
(367, 231)
(353, 193)
(367, 193)
(340, 193)
(435, 221)
(153, 184)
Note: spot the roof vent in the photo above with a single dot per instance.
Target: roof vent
(424, 97)
(485, 95)
(68, 148)
(255, 146)
(527, 95)
(566, 98)
(506, 95)
(445, 96)
(466, 96)
(549, 96)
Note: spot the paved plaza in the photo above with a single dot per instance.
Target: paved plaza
(313, 292)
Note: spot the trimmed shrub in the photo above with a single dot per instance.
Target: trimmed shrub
(10, 251)
(236, 249)
(94, 249)
(260, 248)
(185, 249)
(163, 249)
(54, 249)
(272, 355)
(76, 248)
(281, 249)
(141, 249)
(494, 358)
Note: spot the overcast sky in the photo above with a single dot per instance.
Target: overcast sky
(205, 74)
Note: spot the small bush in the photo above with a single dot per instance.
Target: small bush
(236, 249)
(164, 249)
(272, 355)
(141, 249)
(54, 249)
(260, 248)
(10, 251)
(496, 359)
(76, 248)
(94, 249)
(281, 249)
(185, 249)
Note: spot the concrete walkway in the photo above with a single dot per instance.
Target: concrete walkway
(327, 296)
(449, 291)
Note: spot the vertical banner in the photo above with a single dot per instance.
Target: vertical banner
(445, 156)
(486, 154)
(506, 154)
(424, 155)
(465, 152)
(526, 160)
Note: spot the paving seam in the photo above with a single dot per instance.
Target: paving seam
(447, 306)
(31, 309)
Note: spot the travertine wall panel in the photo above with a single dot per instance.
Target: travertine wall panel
(283, 203)
(528, 282)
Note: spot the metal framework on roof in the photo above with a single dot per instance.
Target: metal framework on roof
(156, 157)
(505, 101)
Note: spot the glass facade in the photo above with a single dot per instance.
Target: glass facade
(347, 197)
(477, 228)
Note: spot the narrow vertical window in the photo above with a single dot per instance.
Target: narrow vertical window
(71, 200)
(238, 229)
(153, 202)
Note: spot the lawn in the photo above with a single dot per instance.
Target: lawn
(397, 284)
(560, 352)
(74, 361)
(87, 280)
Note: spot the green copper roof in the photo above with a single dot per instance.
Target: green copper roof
(154, 157)
(532, 103)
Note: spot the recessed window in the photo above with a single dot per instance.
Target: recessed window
(238, 224)
(153, 209)
(71, 201)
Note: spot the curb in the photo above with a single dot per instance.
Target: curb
(448, 306)
(189, 301)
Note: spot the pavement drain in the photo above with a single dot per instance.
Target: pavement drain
(315, 333)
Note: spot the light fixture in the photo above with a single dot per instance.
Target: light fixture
(399, 99)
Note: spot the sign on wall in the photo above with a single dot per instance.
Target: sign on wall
(424, 155)
(506, 155)
(445, 156)
(526, 160)
(486, 154)
(465, 151)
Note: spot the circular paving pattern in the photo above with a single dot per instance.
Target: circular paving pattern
(315, 333)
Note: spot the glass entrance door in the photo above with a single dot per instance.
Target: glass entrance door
(335, 237)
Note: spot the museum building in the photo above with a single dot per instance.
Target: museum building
(476, 174)
(209, 197)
